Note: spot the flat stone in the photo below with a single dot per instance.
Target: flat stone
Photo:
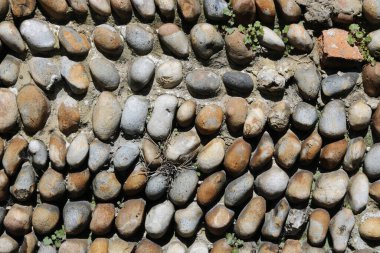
(125, 156)
(203, 83)
(45, 72)
(38, 35)
(183, 187)
(34, 108)
(73, 42)
(9, 70)
(338, 84)
(140, 73)
(140, 37)
(158, 219)
(332, 123)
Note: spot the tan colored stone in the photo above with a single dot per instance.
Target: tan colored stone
(102, 218)
(237, 157)
(13, 156)
(209, 120)
(210, 188)
(218, 219)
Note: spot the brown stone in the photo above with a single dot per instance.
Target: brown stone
(8, 110)
(268, 247)
(77, 183)
(374, 191)
(318, 226)
(68, 116)
(22, 8)
(74, 245)
(332, 154)
(102, 218)
(263, 153)
(289, 10)
(218, 219)
(299, 187)
(136, 181)
(186, 113)
(75, 76)
(221, 246)
(237, 157)
(190, 9)
(251, 217)
(13, 155)
(107, 40)
(73, 42)
(122, 8)
(335, 50)
(376, 121)
(34, 108)
(236, 113)
(292, 246)
(236, 49)
(79, 6)
(151, 153)
(147, 246)
(29, 243)
(130, 217)
(244, 10)
(310, 148)
(4, 186)
(370, 229)
(209, 120)
(371, 79)
(210, 188)
(287, 150)
(45, 218)
(57, 151)
(371, 11)
(278, 117)
(99, 245)
(266, 10)
(18, 221)
(51, 185)
(256, 118)
(56, 9)
(117, 245)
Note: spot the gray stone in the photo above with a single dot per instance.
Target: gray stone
(9, 110)
(279, 115)
(272, 183)
(46, 249)
(140, 73)
(77, 151)
(166, 8)
(340, 229)
(354, 154)
(374, 45)
(125, 156)
(145, 8)
(25, 184)
(358, 191)
(371, 162)
(38, 150)
(158, 219)
(330, 188)
(332, 123)
(183, 187)
(161, 120)
(238, 83)
(105, 186)
(205, 40)
(38, 35)
(76, 216)
(308, 81)
(269, 81)
(9, 70)
(176, 247)
(338, 84)
(98, 155)
(187, 220)
(8, 244)
(199, 246)
(183, 146)
(44, 71)
(239, 190)
(140, 37)
(174, 40)
(304, 116)
(101, 7)
(299, 38)
(275, 220)
(104, 74)
(156, 186)
(271, 40)
(10, 36)
(214, 9)
(359, 115)
(203, 83)
(3, 212)
(169, 74)
(211, 156)
(296, 221)
(134, 115)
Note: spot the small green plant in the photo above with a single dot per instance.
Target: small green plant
(283, 34)
(359, 37)
(55, 239)
(234, 242)
(252, 34)
(229, 28)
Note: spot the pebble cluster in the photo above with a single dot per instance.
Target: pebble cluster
(140, 126)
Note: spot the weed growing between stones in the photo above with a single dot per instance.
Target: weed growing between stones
(359, 37)
(56, 238)
(234, 242)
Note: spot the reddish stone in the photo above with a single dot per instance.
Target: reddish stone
(266, 10)
(371, 79)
